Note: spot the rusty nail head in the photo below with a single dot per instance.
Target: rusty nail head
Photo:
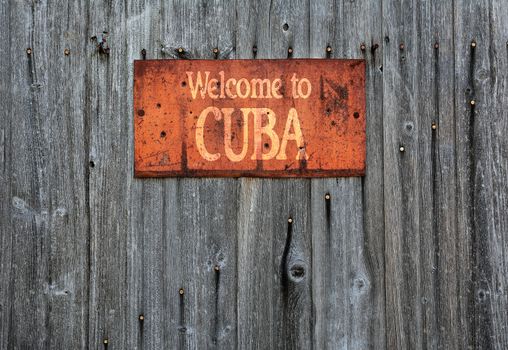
(327, 196)
(290, 220)
(181, 291)
(434, 126)
(216, 268)
(402, 149)
(28, 51)
(401, 46)
(473, 44)
(328, 48)
(67, 52)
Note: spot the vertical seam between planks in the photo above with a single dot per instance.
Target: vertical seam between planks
(86, 142)
(238, 185)
(454, 112)
(383, 165)
(8, 172)
(309, 208)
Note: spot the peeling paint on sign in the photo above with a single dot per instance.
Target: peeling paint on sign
(259, 118)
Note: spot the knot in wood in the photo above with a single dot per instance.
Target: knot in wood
(482, 295)
(297, 272)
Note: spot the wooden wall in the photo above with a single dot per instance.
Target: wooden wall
(412, 256)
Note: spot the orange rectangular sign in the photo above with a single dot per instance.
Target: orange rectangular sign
(260, 118)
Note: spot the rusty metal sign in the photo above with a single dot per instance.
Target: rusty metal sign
(260, 118)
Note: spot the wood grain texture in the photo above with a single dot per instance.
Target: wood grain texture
(413, 255)
(348, 271)
(402, 177)
(44, 243)
(423, 255)
(481, 166)
(195, 232)
(274, 256)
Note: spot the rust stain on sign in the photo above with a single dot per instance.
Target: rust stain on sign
(261, 118)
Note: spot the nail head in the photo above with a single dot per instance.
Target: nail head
(434, 126)
(141, 317)
(215, 50)
(216, 268)
(180, 50)
(290, 220)
(328, 49)
(362, 47)
(402, 149)
(401, 46)
(473, 102)
(327, 196)
(290, 50)
(473, 44)
(181, 291)
(67, 52)
(436, 45)
(28, 51)
(105, 341)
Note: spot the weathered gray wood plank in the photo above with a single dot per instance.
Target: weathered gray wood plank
(401, 176)
(437, 193)
(274, 256)
(258, 241)
(146, 262)
(110, 179)
(348, 283)
(202, 235)
(470, 25)
(363, 25)
(44, 235)
(482, 165)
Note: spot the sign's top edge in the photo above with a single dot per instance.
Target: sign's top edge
(252, 59)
